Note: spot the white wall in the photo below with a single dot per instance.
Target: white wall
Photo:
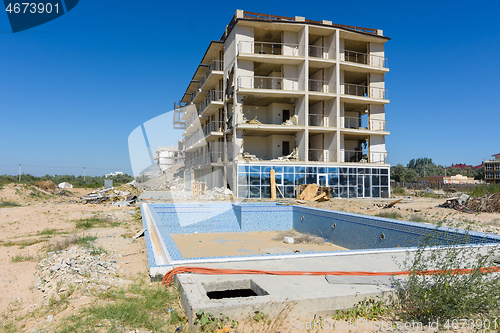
(274, 112)
(291, 38)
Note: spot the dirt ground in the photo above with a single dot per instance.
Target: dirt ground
(44, 220)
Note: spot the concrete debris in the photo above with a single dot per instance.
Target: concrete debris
(126, 194)
(248, 157)
(76, 268)
(288, 240)
(428, 190)
(139, 234)
(217, 193)
(293, 156)
(254, 121)
(65, 185)
(292, 121)
(172, 181)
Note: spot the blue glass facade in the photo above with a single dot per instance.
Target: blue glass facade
(253, 181)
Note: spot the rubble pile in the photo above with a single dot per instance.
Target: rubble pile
(217, 193)
(489, 203)
(126, 194)
(46, 185)
(76, 268)
(164, 184)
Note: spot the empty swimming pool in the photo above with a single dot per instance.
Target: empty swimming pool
(173, 235)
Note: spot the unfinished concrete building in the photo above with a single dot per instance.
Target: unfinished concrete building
(492, 170)
(304, 98)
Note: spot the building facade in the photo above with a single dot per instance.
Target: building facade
(304, 98)
(492, 170)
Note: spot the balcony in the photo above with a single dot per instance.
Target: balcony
(364, 123)
(321, 120)
(322, 155)
(212, 157)
(321, 86)
(211, 131)
(364, 91)
(213, 101)
(355, 156)
(264, 49)
(364, 59)
(270, 85)
(213, 74)
(321, 52)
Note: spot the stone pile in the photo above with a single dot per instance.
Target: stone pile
(77, 268)
(217, 193)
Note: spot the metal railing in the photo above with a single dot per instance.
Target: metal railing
(355, 156)
(213, 96)
(213, 126)
(195, 93)
(364, 58)
(212, 157)
(321, 120)
(322, 155)
(192, 119)
(321, 52)
(256, 47)
(270, 82)
(364, 123)
(321, 86)
(363, 91)
(215, 65)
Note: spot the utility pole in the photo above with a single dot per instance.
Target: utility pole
(83, 173)
(19, 172)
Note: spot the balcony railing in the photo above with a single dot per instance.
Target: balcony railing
(364, 58)
(355, 156)
(213, 126)
(363, 91)
(195, 93)
(270, 82)
(285, 49)
(213, 157)
(216, 65)
(321, 120)
(213, 96)
(322, 155)
(364, 123)
(321, 86)
(321, 52)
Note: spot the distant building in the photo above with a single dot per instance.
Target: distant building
(457, 179)
(113, 174)
(492, 170)
(463, 166)
(168, 156)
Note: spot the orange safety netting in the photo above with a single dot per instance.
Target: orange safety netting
(167, 279)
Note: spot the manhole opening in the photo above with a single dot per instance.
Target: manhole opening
(233, 289)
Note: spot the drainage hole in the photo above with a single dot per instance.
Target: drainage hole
(382, 236)
(231, 293)
(302, 218)
(334, 226)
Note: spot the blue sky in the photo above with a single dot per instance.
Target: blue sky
(73, 89)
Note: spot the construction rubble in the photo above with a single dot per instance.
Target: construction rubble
(489, 203)
(217, 193)
(123, 195)
(78, 268)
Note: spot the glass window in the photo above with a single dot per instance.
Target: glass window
(375, 171)
(312, 170)
(255, 168)
(265, 179)
(343, 170)
(321, 170)
(333, 180)
(333, 170)
(334, 191)
(242, 178)
(343, 180)
(300, 169)
(384, 171)
(353, 191)
(265, 191)
(384, 180)
(375, 180)
(300, 179)
(243, 191)
(343, 192)
(310, 179)
(289, 169)
(278, 168)
(352, 179)
(352, 171)
(277, 177)
(254, 191)
(288, 179)
(322, 180)
(289, 191)
(367, 191)
(376, 192)
(361, 171)
(384, 191)
(265, 169)
(254, 179)
(360, 191)
(243, 168)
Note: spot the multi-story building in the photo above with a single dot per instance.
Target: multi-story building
(492, 170)
(304, 98)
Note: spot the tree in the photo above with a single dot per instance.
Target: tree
(400, 173)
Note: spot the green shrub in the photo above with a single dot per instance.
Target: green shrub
(390, 215)
(398, 190)
(483, 190)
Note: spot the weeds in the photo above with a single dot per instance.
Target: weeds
(48, 232)
(207, 322)
(399, 190)
(446, 295)
(482, 190)
(368, 308)
(21, 258)
(417, 218)
(95, 222)
(7, 204)
(391, 215)
(138, 307)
